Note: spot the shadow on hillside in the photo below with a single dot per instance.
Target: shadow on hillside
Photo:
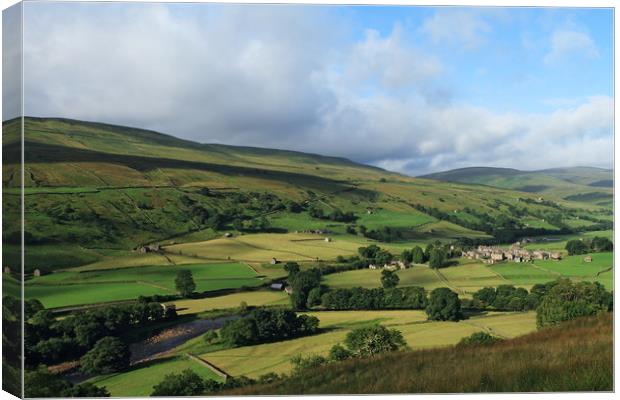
(47, 153)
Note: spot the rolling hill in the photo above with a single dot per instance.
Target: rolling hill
(581, 184)
(93, 188)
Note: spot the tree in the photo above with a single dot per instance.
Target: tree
(484, 297)
(417, 255)
(437, 258)
(186, 383)
(406, 256)
(108, 355)
(314, 297)
(185, 282)
(389, 279)
(601, 244)
(302, 283)
(575, 247)
(372, 340)
(291, 268)
(444, 305)
(427, 251)
(240, 332)
(567, 300)
(238, 224)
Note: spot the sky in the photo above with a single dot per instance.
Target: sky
(410, 89)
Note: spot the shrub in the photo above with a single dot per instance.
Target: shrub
(312, 361)
(478, 339)
(210, 337)
(338, 353)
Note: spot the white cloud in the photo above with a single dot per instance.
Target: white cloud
(390, 61)
(567, 44)
(266, 76)
(457, 26)
(11, 62)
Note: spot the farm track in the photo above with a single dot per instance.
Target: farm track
(447, 282)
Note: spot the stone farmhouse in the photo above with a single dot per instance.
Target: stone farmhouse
(493, 254)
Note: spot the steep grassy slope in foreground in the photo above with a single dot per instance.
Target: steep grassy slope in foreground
(575, 356)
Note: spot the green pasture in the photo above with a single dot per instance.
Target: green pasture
(393, 219)
(140, 379)
(577, 268)
(468, 277)
(558, 242)
(260, 359)
(262, 247)
(253, 298)
(74, 288)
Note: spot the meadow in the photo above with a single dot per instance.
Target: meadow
(469, 276)
(262, 247)
(574, 356)
(228, 301)
(140, 379)
(260, 359)
(75, 288)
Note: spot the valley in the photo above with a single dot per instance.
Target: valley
(115, 215)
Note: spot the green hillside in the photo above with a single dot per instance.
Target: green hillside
(93, 190)
(576, 184)
(575, 356)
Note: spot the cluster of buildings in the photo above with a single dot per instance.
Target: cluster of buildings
(492, 254)
(392, 266)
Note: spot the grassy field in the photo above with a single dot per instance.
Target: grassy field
(261, 248)
(574, 356)
(73, 288)
(468, 277)
(130, 260)
(256, 360)
(140, 379)
(381, 218)
(254, 298)
(576, 268)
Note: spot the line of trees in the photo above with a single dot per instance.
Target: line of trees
(359, 298)
(264, 325)
(51, 341)
(595, 245)
(336, 215)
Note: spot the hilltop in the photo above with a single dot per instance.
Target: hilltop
(574, 356)
(582, 184)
